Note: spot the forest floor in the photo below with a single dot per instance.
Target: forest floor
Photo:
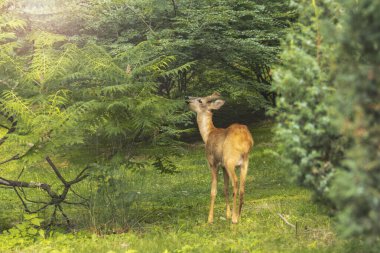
(170, 211)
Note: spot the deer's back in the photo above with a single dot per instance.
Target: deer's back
(229, 144)
(238, 138)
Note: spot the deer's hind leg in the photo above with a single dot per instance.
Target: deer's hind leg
(243, 176)
(230, 167)
(226, 193)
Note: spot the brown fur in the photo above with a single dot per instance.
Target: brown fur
(228, 147)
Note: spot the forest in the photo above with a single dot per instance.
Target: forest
(107, 108)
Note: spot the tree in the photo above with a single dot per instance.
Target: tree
(66, 94)
(356, 188)
(310, 142)
(228, 46)
(328, 110)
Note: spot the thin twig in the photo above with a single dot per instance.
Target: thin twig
(83, 203)
(78, 195)
(3, 126)
(80, 177)
(286, 221)
(19, 175)
(52, 218)
(29, 200)
(22, 200)
(64, 215)
(15, 157)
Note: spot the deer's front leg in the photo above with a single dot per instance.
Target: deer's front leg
(214, 190)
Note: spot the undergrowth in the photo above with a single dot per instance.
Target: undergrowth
(168, 213)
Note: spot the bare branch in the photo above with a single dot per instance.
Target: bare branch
(83, 203)
(59, 175)
(20, 174)
(43, 186)
(29, 200)
(285, 220)
(64, 215)
(56, 198)
(22, 200)
(3, 126)
(53, 216)
(15, 157)
(78, 195)
(78, 179)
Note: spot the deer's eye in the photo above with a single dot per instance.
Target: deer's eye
(200, 101)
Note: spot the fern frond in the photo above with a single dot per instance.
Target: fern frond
(7, 36)
(17, 105)
(58, 100)
(113, 90)
(44, 39)
(12, 24)
(100, 64)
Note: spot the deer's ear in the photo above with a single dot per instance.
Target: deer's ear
(216, 104)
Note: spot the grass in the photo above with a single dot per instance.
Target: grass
(170, 211)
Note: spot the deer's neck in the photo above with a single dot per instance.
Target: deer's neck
(205, 125)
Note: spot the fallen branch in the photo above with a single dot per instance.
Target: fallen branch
(286, 221)
(56, 199)
(13, 183)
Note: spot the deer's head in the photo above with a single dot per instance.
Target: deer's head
(204, 104)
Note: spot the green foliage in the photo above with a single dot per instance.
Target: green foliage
(79, 103)
(234, 42)
(310, 142)
(165, 165)
(195, 47)
(328, 111)
(23, 234)
(170, 213)
(356, 188)
(110, 197)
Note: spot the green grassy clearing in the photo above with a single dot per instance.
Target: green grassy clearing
(170, 213)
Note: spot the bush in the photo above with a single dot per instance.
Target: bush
(310, 143)
(329, 111)
(356, 188)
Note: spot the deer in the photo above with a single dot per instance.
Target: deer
(227, 147)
